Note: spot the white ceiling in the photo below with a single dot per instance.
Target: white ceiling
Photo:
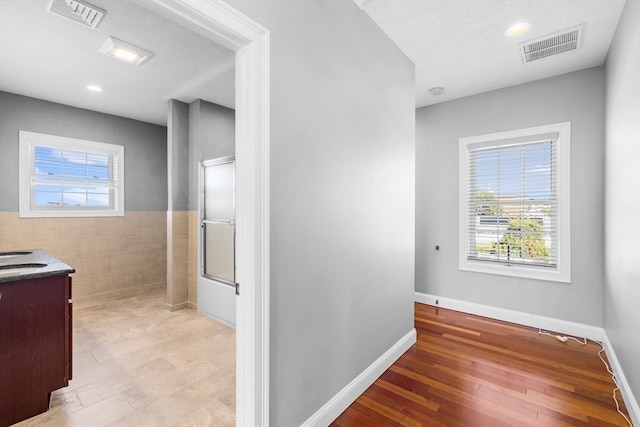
(460, 44)
(45, 56)
(456, 44)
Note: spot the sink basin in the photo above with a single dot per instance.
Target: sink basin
(23, 265)
(14, 253)
(20, 268)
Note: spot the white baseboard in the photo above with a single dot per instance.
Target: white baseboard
(625, 390)
(549, 324)
(345, 397)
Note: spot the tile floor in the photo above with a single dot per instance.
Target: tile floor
(137, 364)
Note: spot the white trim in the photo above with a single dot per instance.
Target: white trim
(252, 238)
(225, 25)
(345, 397)
(564, 327)
(629, 400)
(547, 323)
(563, 271)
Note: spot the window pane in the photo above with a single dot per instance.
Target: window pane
(511, 196)
(219, 246)
(98, 160)
(86, 196)
(71, 166)
(98, 196)
(537, 171)
(48, 195)
(219, 202)
(55, 195)
(48, 153)
(74, 198)
(98, 172)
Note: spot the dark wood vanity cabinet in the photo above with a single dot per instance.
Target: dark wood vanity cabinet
(35, 344)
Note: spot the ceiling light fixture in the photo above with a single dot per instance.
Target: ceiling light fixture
(94, 88)
(435, 91)
(517, 29)
(124, 51)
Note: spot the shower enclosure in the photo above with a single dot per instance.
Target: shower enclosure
(216, 281)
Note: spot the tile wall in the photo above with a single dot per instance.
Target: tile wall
(194, 231)
(177, 259)
(113, 257)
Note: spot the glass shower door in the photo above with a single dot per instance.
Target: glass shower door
(216, 285)
(219, 220)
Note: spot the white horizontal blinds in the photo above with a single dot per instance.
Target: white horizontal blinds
(68, 177)
(512, 216)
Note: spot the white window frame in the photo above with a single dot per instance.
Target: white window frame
(561, 273)
(27, 143)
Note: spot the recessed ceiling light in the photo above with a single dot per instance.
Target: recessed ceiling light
(94, 88)
(517, 29)
(124, 51)
(435, 91)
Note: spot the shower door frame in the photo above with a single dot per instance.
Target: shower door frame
(215, 293)
(203, 220)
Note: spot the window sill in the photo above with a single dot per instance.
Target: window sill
(552, 275)
(61, 213)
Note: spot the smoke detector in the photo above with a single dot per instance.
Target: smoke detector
(78, 11)
(552, 44)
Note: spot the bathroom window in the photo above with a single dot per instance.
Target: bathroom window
(514, 203)
(65, 177)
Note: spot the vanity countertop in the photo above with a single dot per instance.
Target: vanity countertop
(27, 264)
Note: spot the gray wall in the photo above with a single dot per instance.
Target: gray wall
(212, 134)
(576, 97)
(178, 155)
(197, 131)
(342, 199)
(145, 147)
(622, 195)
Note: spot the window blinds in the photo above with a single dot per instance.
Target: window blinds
(64, 177)
(512, 201)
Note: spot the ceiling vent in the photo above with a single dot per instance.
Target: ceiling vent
(78, 11)
(552, 44)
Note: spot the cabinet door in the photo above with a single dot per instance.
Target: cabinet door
(69, 330)
(32, 345)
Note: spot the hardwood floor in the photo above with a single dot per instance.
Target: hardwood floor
(137, 364)
(467, 370)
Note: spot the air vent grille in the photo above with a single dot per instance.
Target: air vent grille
(552, 44)
(78, 11)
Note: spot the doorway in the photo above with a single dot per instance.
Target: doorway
(217, 247)
(225, 25)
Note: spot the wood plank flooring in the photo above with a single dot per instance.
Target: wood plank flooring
(467, 370)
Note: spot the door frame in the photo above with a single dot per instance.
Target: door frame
(227, 26)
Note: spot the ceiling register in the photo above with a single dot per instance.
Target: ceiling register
(78, 11)
(552, 44)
